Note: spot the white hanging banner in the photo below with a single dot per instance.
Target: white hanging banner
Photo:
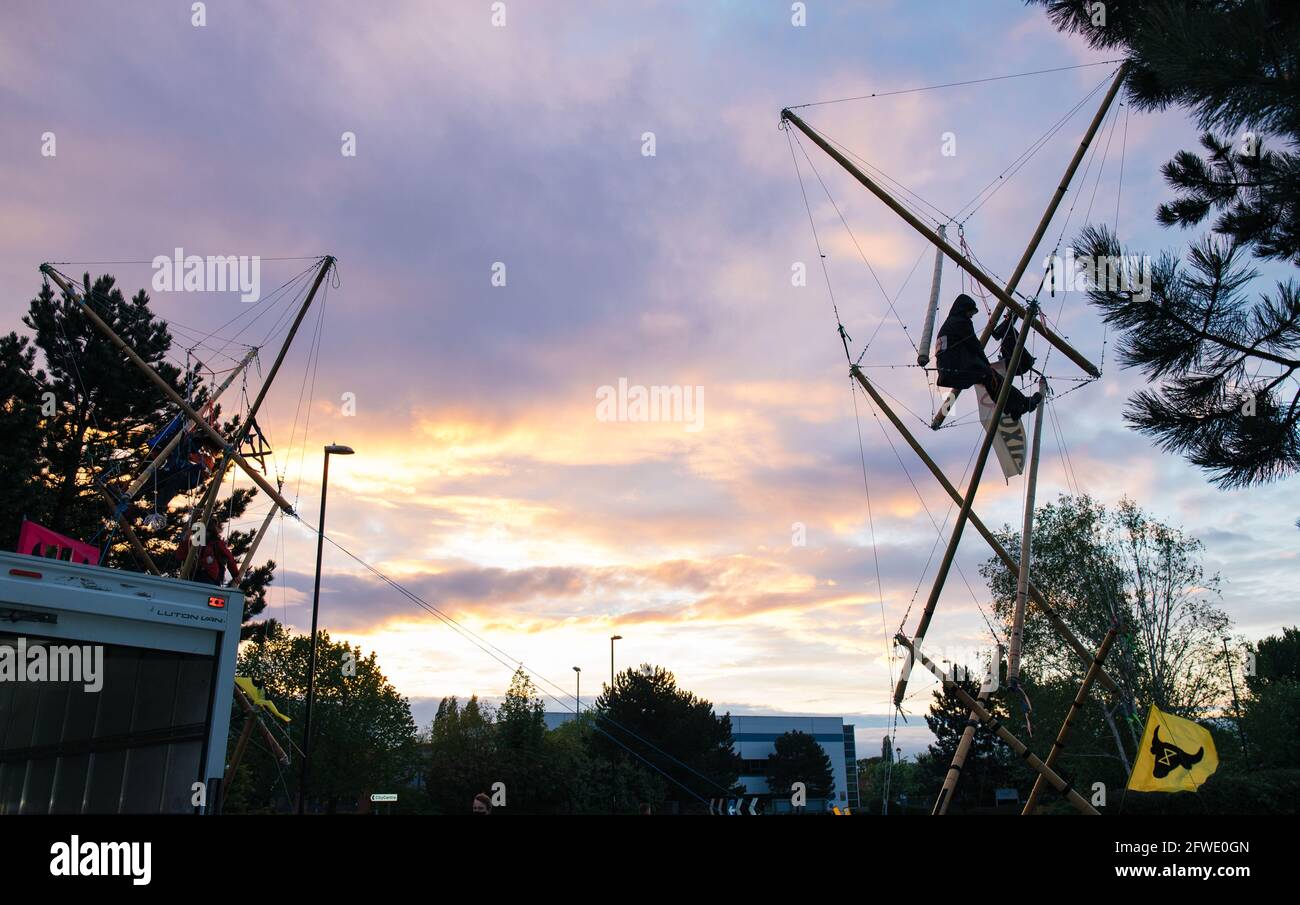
(1009, 441)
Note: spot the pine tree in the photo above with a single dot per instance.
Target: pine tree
(77, 418)
(799, 758)
(21, 402)
(989, 764)
(1224, 359)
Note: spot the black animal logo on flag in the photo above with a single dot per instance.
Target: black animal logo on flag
(1168, 756)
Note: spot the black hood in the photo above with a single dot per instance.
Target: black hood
(963, 305)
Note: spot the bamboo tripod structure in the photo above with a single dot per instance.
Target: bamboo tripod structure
(230, 448)
(1024, 587)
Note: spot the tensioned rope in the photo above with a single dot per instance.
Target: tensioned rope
(996, 78)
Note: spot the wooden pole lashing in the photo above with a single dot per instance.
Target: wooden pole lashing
(1075, 706)
(1001, 731)
(953, 775)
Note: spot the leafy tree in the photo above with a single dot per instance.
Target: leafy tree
(587, 781)
(668, 727)
(462, 755)
(1277, 660)
(520, 742)
(363, 736)
(799, 758)
(1225, 359)
(1271, 716)
(911, 785)
(1098, 566)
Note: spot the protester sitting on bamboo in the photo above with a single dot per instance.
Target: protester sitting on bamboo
(213, 557)
(962, 362)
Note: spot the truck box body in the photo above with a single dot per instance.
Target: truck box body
(115, 688)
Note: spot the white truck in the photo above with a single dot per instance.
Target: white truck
(115, 689)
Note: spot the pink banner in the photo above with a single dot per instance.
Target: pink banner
(37, 540)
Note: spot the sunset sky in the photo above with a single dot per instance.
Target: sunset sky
(484, 480)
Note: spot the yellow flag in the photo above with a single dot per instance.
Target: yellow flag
(258, 698)
(1176, 755)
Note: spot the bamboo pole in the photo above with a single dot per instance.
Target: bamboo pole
(957, 257)
(206, 506)
(927, 333)
(964, 744)
(1043, 223)
(252, 719)
(1035, 595)
(238, 755)
(141, 554)
(252, 550)
(175, 441)
(163, 385)
(1026, 544)
(986, 445)
(252, 710)
(1075, 706)
(1001, 731)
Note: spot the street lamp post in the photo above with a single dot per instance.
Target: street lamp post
(332, 449)
(577, 695)
(612, 639)
(1236, 705)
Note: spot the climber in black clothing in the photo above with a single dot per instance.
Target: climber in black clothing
(962, 362)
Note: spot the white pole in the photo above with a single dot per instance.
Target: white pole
(923, 353)
(1026, 538)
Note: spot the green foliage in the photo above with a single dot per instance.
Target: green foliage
(363, 736)
(1271, 708)
(799, 758)
(21, 388)
(911, 786)
(1221, 359)
(462, 755)
(1226, 793)
(1097, 565)
(670, 728)
(989, 764)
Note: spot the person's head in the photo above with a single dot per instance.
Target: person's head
(482, 803)
(965, 306)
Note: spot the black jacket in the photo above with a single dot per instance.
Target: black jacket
(961, 360)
